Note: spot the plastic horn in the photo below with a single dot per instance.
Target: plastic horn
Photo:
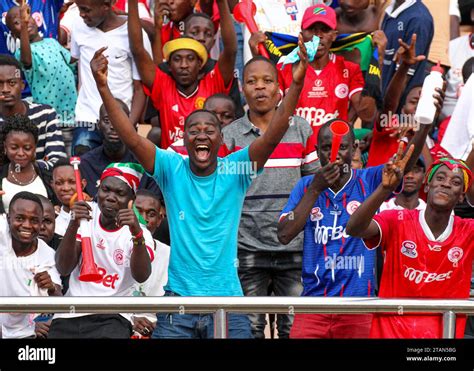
(89, 271)
(244, 12)
(338, 129)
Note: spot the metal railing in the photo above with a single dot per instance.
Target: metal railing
(220, 306)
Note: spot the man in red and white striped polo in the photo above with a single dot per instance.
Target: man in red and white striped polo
(265, 265)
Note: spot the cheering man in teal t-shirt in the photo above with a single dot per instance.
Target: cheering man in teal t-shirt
(204, 195)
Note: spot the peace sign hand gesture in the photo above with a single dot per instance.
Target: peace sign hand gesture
(393, 171)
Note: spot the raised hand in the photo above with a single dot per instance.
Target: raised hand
(299, 70)
(25, 12)
(393, 171)
(325, 177)
(100, 67)
(128, 217)
(255, 39)
(80, 210)
(407, 53)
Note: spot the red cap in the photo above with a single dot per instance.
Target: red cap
(319, 13)
(438, 68)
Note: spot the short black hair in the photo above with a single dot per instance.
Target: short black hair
(147, 193)
(195, 15)
(328, 123)
(45, 200)
(20, 123)
(221, 96)
(121, 102)
(26, 196)
(467, 69)
(259, 58)
(60, 163)
(8, 60)
(186, 122)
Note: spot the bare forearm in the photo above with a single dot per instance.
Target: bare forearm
(69, 251)
(138, 103)
(229, 40)
(140, 264)
(395, 89)
(294, 222)
(135, 29)
(280, 122)
(142, 148)
(157, 45)
(25, 52)
(360, 220)
(418, 141)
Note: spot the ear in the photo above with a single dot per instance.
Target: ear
(333, 35)
(84, 183)
(461, 198)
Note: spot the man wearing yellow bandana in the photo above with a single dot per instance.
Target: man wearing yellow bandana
(178, 94)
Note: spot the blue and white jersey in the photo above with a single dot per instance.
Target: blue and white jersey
(334, 263)
(44, 12)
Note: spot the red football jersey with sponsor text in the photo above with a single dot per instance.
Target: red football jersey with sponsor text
(174, 106)
(325, 93)
(416, 266)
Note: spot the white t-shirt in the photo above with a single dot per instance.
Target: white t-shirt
(85, 41)
(112, 251)
(62, 222)
(154, 285)
(11, 189)
(16, 278)
(460, 51)
(391, 205)
(278, 16)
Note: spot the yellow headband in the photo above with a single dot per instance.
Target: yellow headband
(185, 43)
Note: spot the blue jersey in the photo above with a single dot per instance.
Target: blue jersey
(334, 263)
(44, 12)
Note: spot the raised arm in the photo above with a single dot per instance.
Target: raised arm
(226, 60)
(406, 57)
(146, 67)
(419, 139)
(142, 148)
(161, 9)
(25, 51)
(360, 223)
(261, 149)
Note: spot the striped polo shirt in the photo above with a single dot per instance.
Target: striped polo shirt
(294, 157)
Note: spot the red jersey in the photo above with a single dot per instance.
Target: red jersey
(382, 146)
(174, 106)
(171, 31)
(325, 93)
(417, 266)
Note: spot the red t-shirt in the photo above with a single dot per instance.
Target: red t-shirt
(417, 267)
(174, 107)
(171, 31)
(326, 94)
(382, 147)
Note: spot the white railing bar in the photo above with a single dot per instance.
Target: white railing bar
(183, 304)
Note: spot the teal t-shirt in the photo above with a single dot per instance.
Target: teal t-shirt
(51, 78)
(203, 215)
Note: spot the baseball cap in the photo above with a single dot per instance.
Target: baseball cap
(319, 13)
